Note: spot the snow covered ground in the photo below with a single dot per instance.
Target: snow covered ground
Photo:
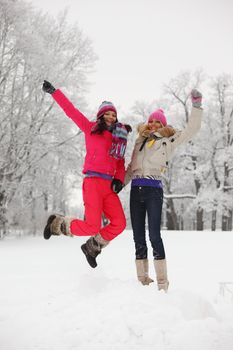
(50, 299)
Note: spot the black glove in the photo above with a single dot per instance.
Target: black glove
(116, 185)
(48, 87)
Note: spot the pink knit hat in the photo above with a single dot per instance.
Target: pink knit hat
(105, 107)
(159, 116)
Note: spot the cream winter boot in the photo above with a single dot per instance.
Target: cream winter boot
(57, 225)
(161, 274)
(142, 268)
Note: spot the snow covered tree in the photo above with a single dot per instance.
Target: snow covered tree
(33, 133)
(220, 125)
(186, 158)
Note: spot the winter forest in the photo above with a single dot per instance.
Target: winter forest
(42, 151)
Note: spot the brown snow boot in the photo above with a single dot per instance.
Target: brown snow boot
(161, 274)
(57, 225)
(142, 268)
(92, 248)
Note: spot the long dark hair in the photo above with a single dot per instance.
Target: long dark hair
(100, 126)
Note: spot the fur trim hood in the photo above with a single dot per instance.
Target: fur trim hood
(166, 131)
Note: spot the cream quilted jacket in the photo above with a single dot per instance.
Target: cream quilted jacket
(153, 161)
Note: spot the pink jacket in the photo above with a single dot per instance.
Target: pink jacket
(97, 146)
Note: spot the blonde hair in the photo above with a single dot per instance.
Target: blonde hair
(165, 131)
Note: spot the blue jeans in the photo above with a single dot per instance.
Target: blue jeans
(147, 200)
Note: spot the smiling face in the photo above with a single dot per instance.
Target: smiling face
(110, 118)
(154, 125)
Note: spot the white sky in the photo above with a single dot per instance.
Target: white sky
(141, 44)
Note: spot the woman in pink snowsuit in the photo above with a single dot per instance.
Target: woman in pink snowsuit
(104, 170)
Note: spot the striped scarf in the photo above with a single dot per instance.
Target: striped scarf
(119, 141)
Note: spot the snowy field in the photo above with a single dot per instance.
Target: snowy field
(50, 299)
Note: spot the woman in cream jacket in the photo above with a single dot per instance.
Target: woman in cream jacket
(153, 149)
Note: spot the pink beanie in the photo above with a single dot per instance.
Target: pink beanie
(105, 107)
(159, 116)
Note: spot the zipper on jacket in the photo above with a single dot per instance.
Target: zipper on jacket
(165, 149)
(143, 157)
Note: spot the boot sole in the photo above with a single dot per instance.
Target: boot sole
(91, 261)
(47, 232)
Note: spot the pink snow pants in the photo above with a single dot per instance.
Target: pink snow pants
(99, 198)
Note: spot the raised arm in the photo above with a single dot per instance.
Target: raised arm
(194, 121)
(78, 118)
